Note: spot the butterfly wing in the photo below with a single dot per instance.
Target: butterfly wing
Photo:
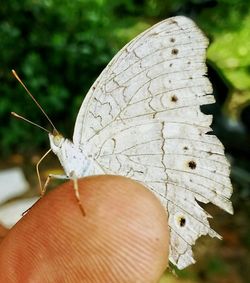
(142, 119)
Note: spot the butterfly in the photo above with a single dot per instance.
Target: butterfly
(142, 119)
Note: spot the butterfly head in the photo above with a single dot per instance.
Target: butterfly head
(56, 141)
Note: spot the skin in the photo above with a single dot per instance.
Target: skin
(124, 236)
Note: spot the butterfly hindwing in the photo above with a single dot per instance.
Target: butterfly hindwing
(142, 119)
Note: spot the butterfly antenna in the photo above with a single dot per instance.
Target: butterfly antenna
(30, 122)
(33, 98)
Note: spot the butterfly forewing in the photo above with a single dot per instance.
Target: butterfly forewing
(142, 119)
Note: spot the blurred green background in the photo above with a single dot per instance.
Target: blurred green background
(60, 47)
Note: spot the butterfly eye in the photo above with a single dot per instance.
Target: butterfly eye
(58, 139)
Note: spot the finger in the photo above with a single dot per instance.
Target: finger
(122, 238)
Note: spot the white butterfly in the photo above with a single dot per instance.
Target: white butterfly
(142, 119)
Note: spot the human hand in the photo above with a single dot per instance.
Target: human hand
(123, 237)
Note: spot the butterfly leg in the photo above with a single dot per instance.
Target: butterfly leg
(42, 190)
(64, 177)
(60, 177)
(78, 195)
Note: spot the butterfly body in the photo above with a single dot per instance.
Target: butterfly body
(75, 162)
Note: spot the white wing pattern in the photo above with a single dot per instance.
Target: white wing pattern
(142, 119)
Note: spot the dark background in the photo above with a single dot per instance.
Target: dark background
(60, 47)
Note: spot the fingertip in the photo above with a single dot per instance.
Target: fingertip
(122, 238)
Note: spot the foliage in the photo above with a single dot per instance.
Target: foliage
(57, 48)
(230, 49)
